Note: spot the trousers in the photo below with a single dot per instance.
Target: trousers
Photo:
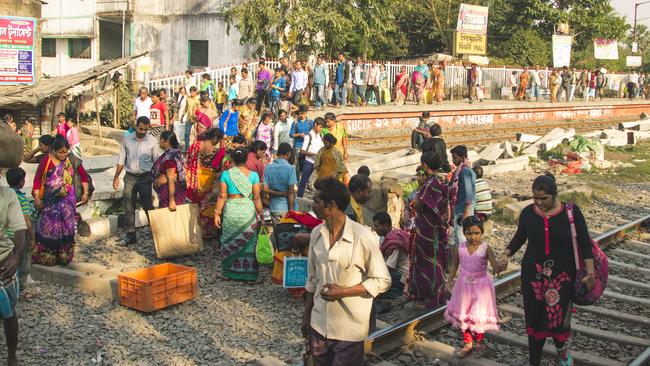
(136, 188)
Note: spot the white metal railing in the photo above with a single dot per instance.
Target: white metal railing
(492, 78)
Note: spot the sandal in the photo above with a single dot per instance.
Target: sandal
(479, 350)
(465, 351)
(567, 361)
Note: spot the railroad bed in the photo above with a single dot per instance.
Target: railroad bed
(483, 135)
(614, 332)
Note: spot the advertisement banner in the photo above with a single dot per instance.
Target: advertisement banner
(470, 44)
(605, 49)
(472, 19)
(562, 50)
(17, 47)
(633, 61)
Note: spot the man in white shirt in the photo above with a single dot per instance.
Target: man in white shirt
(346, 272)
(357, 83)
(142, 104)
(372, 82)
(535, 83)
(189, 80)
(282, 130)
(632, 82)
(311, 145)
(299, 78)
(246, 86)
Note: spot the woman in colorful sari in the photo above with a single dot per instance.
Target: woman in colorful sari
(401, 86)
(419, 83)
(439, 73)
(54, 196)
(428, 254)
(329, 161)
(204, 163)
(168, 174)
(384, 85)
(204, 114)
(241, 205)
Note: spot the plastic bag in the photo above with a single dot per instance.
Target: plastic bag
(264, 248)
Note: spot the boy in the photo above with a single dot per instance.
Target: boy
(16, 180)
(221, 99)
(420, 133)
(232, 90)
(159, 116)
(207, 85)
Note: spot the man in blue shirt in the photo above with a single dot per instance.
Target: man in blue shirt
(342, 77)
(465, 200)
(279, 183)
(320, 81)
(299, 130)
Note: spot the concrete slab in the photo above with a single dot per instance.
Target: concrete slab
(502, 166)
(552, 135)
(92, 284)
(437, 350)
(507, 150)
(528, 138)
(103, 226)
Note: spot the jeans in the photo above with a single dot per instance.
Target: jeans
(357, 91)
(188, 132)
(260, 98)
(319, 101)
(136, 187)
(534, 91)
(340, 94)
(274, 105)
(307, 170)
(631, 91)
(375, 90)
(416, 139)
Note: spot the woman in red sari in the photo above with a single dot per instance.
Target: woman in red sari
(204, 165)
(401, 86)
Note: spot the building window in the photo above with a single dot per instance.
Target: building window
(197, 53)
(48, 47)
(79, 48)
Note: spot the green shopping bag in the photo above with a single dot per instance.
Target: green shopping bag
(264, 248)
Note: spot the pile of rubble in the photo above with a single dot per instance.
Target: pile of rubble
(560, 147)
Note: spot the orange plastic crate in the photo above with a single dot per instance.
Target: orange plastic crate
(157, 287)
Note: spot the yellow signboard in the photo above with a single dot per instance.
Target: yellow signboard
(470, 44)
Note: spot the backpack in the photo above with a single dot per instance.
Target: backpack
(601, 268)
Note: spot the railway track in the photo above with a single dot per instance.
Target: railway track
(610, 333)
(480, 136)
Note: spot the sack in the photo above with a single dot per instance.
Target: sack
(480, 92)
(176, 233)
(601, 268)
(12, 147)
(264, 248)
(205, 179)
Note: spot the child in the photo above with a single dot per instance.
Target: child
(221, 99)
(16, 180)
(73, 138)
(483, 206)
(420, 133)
(233, 90)
(473, 306)
(264, 133)
(278, 87)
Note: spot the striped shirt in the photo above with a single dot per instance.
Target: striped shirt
(26, 206)
(483, 197)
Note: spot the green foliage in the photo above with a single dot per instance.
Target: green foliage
(125, 104)
(106, 115)
(526, 47)
(407, 188)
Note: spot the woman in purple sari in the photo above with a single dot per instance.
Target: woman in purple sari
(54, 196)
(168, 174)
(428, 254)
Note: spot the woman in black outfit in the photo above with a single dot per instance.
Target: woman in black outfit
(548, 268)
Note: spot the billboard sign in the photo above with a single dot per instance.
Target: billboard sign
(17, 47)
(472, 19)
(470, 44)
(605, 49)
(562, 50)
(633, 61)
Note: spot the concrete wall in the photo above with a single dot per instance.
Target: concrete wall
(166, 38)
(69, 18)
(62, 64)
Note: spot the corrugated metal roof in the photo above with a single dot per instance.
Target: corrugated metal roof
(29, 96)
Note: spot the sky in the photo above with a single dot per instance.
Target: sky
(626, 8)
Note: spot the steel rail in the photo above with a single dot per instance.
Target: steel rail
(403, 333)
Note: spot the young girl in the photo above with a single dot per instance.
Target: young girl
(472, 307)
(264, 132)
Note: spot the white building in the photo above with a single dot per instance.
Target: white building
(179, 34)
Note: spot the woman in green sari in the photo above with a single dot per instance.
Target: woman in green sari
(240, 203)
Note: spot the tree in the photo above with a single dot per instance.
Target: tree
(525, 47)
(309, 25)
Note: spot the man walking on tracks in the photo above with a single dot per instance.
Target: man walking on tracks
(346, 271)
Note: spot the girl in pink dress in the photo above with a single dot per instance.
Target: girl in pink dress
(473, 307)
